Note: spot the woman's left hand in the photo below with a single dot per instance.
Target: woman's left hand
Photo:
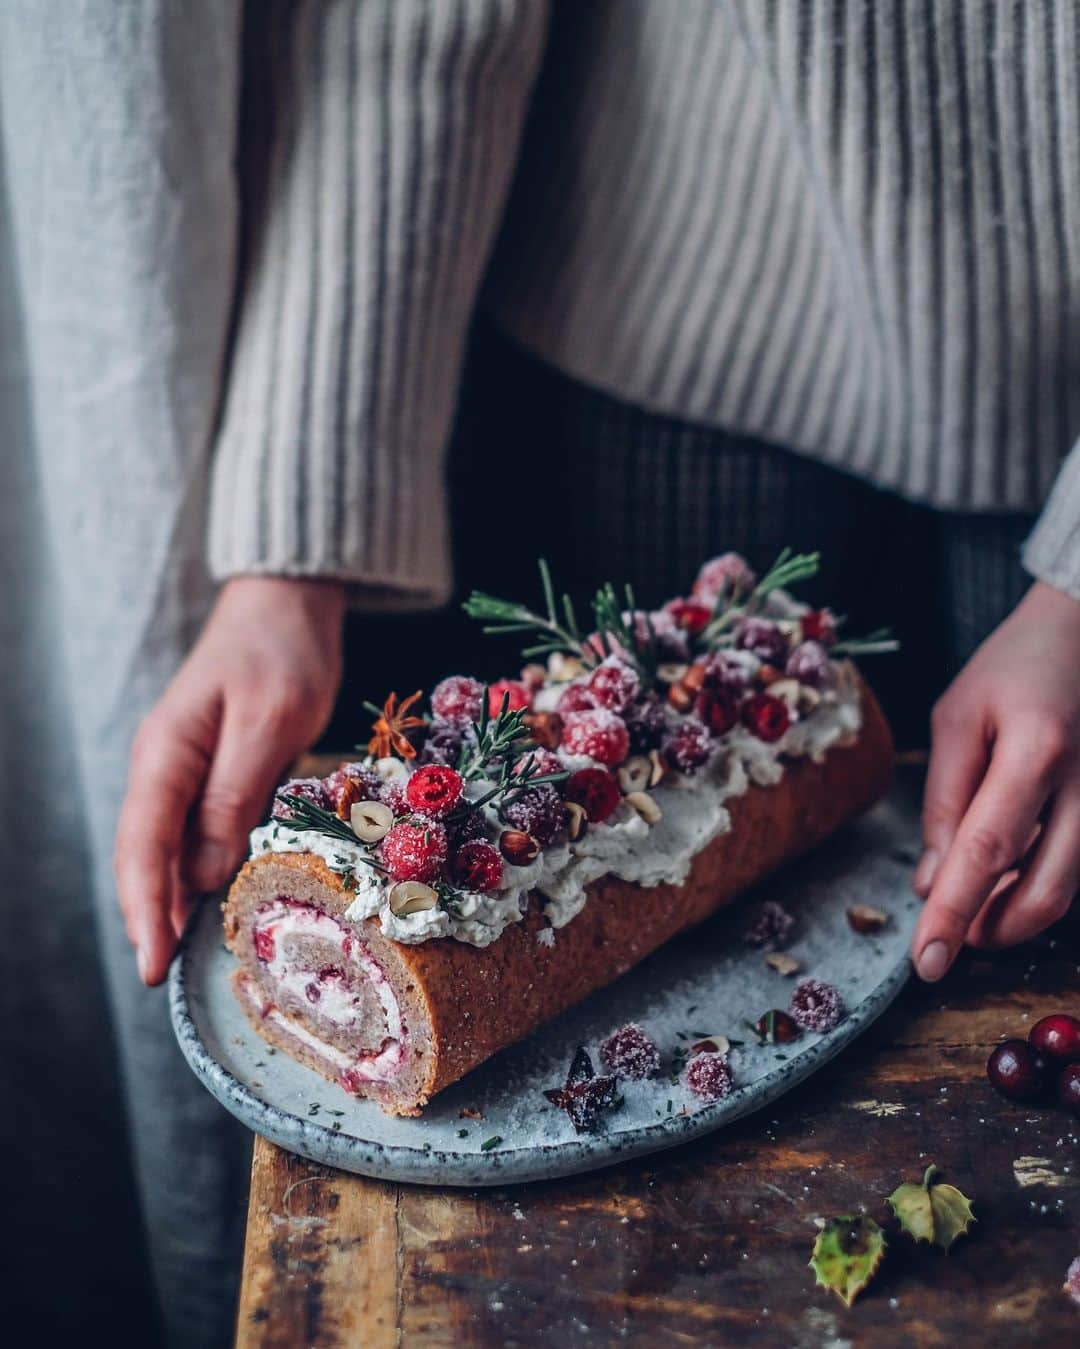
(1001, 813)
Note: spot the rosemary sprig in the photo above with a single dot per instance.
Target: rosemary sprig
(555, 634)
(306, 817)
(497, 744)
(788, 569)
(874, 643)
(617, 627)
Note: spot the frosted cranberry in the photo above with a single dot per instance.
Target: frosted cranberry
(434, 790)
(1018, 1071)
(1057, 1037)
(690, 615)
(575, 698)
(516, 693)
(724, 575)
(808, 663)
(614, 684)
(718, 710)
(306, 789)
(763, 639)
(819, 625)
(457, 697)
(816, 1005)
(724, 670)
(630, 1053)
(688, 746)
(392, 794)
(771, 927)
(595, 790)
(709, 1076)
(537, 811)
(766, 716)
(264, 944)
(599, 733)
(1069, 1088)
(414, 850)
(444, 742)
(645, 724)
(539, 762)
(477, 866)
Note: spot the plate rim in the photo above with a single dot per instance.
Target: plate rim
(403, 1163)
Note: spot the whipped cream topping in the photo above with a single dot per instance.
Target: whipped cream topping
(692, 813)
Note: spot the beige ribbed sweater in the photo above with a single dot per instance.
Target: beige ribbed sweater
(850, 228)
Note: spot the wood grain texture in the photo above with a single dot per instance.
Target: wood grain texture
(708, 1244)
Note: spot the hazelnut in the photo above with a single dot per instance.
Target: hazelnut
(712, 1044)
(518, 848)
(809, 697)
(533, 675)
(634, 774)
(670, 672)
(545, 728)
(694, 678)
(345, 794)
(412, 897)
(782, 964)
(680, 698)
(657, 768)
(645, 806)
(563, 668)
(576, 820)
(370, 820)
(787, 690)
(862, 918)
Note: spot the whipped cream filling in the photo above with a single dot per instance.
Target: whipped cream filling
(328, 990)
(693, 813)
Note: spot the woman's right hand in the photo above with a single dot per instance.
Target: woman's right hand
(257, 690)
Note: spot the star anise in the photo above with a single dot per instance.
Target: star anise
(585, 1095)
(388, 733)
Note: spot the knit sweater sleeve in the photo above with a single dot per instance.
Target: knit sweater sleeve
(1052, 551)
(396, 129)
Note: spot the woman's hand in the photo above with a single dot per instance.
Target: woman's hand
(256, 690)
(1001, 815)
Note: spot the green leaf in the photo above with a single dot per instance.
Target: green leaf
(846, 1255)
(932, 1212)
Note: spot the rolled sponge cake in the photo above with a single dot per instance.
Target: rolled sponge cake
(398, 1023)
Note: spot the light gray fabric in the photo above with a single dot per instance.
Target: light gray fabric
(117, 134)
(849, 229)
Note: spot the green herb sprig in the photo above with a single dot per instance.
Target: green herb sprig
(556, 629)
(306, 817)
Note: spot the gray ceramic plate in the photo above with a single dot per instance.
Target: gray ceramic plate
(707, 981)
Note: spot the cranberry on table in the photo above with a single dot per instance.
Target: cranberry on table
(1057, 1037)
(1018, 1070)
(1069, 1088)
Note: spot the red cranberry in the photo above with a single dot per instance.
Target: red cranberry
(1018, 1071)
(1057, 1037)
(1069, 1088)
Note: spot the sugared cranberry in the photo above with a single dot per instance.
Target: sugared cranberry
(537, 811)
(725, 670)
(414, 850)
(1057, 1037)
(1069, 1088)
(306, 789)
(767, 717)
(434, 790)
(263, 940)
(595, 790)
(763, 638)
(575, 698)
(819, 625)
(444, 741)
(630, 1053)
(690, 615)
(645, 724)
(724, 575)
(539, 763)
(614, 684)
(392, 794)
(516, 693)
(771, 927)
(718, 710)
(458, 696)
(709, 1076)
(688, 745)
(1018, 1071)
(599, 733)
(816, 1005)
(477, 866)
(808, 663)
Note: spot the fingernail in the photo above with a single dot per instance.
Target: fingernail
(141, 961)
(934, 961)
(924, 872)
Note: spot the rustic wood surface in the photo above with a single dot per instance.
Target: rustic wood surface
(708, 1244)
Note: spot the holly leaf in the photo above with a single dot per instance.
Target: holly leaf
(930, 1211)
(846, 1255)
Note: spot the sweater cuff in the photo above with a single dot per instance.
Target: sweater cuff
(396, 126)
(1052, 550)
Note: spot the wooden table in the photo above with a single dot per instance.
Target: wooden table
(708, 1244)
